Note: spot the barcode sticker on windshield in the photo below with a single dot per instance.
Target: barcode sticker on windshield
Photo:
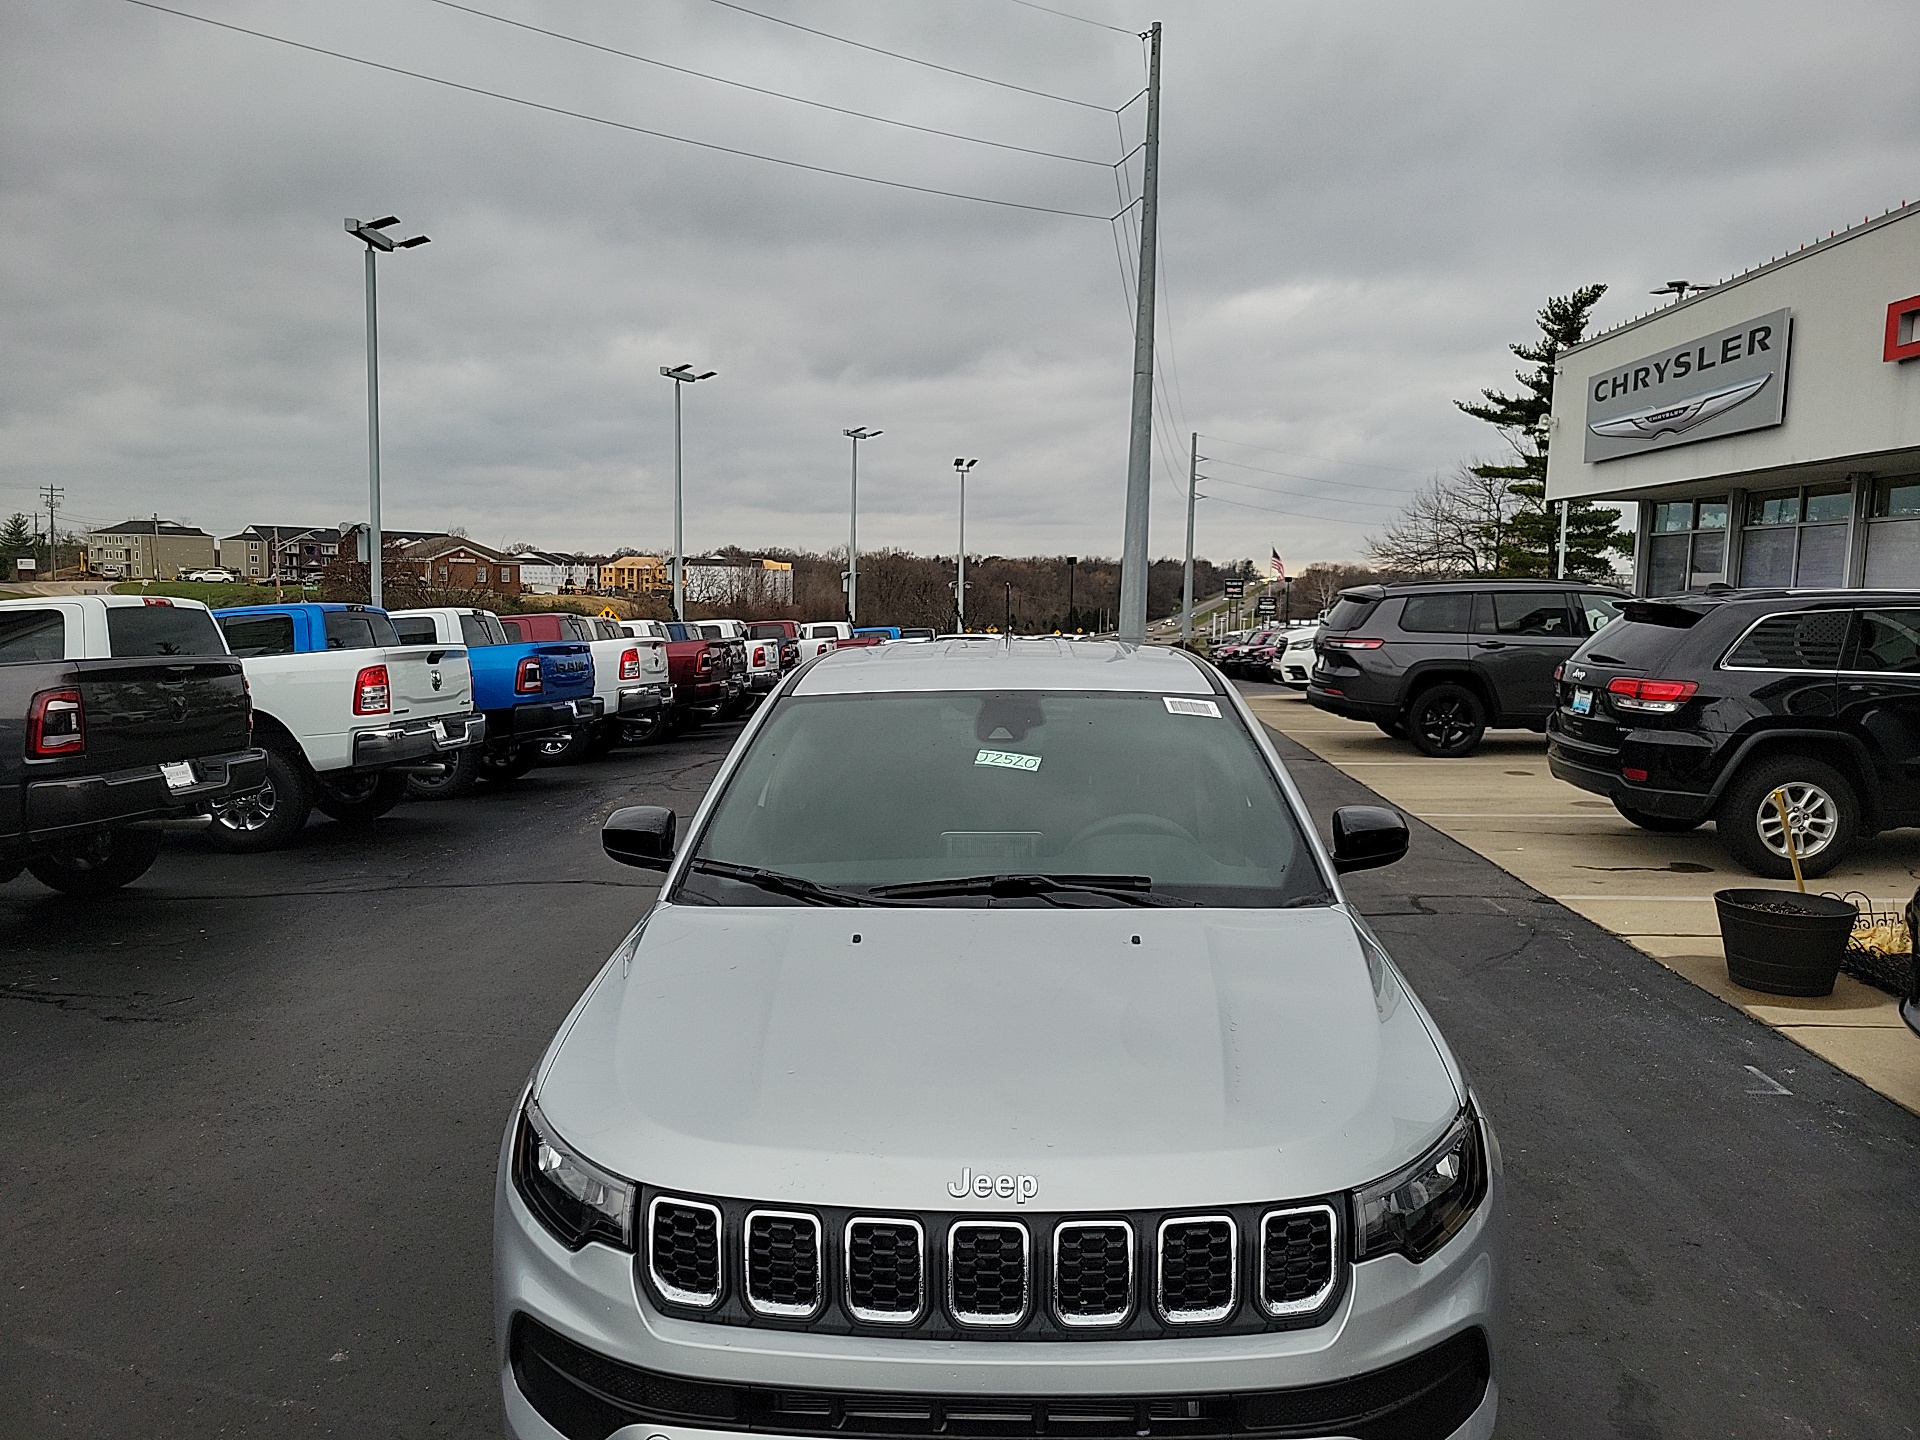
(1007, 760)
(1176, 706)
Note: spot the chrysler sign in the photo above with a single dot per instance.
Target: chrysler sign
(1720, 384)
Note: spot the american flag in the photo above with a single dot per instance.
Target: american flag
(1279, 566)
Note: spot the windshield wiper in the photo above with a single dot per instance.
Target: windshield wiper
(1132, 889)
(810, 891)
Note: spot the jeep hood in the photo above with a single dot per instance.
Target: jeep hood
(1122, 1058)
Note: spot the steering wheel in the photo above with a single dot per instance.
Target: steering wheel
(1134, 823)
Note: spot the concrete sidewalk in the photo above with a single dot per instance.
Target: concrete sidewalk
(1654, 891)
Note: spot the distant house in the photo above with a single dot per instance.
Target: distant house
(149, 549)
(289, 553)
(710, 582)
(545, 572)
(452, 562)
(636, 575)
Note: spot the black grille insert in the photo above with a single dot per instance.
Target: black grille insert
(1296, 1259)
(586, 1396)
(886, 1270)
(1199, 1269)
(783, 1264)
(1093, 1272)
(683, 1250)
(987, 1272)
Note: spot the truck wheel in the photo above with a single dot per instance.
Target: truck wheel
(1446, 721)
(649, 729)
(463, 768)
(561, 749)
(1820, 804)
(271, 816)
(99, 863)
(359, 798)
(510, 766)
(1658, 824)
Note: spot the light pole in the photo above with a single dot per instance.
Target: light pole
(680, 375)
(1009, 629)
(368, 232)
(853, 523)
(1072, 560)
(963, 468)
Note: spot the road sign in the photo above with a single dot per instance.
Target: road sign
(1264, 606)
(607, 612)
(1235, 589)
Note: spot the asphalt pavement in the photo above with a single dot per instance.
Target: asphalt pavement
(252, 1108)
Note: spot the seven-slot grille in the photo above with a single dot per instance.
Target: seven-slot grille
(782, 1264)
(683, 1250)
(886, 1270)
(1199, 1269)
(1092, 1272)
(1297, 1247)
(987, 1280)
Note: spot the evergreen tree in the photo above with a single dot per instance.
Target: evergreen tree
(1527, 539)
(16, 536)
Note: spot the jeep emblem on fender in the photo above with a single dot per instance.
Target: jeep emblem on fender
(1017, 1188)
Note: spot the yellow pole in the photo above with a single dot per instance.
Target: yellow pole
(1786, 834)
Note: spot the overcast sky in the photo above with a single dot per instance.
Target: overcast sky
(1362, 204)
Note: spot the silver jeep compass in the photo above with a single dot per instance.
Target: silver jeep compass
(1000, 1060)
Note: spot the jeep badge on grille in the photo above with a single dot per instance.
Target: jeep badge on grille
(1017, 1188)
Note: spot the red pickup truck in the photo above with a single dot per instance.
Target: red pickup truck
(709, 682)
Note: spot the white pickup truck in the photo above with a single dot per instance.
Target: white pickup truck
(762, 656)
(818, 637)
(344, 711)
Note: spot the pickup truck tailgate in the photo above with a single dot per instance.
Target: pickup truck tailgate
(428, 680)
(151, 710)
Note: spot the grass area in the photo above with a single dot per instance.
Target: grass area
(214, 595)
(14, 595)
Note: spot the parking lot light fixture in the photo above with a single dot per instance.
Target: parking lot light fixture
(681, 375)
(372, 234)
(853, 522)
(963, 468)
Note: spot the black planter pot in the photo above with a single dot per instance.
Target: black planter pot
(1792, 950)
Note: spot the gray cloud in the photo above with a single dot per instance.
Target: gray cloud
(1363, 205)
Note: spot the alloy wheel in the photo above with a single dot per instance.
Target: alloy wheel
(249, 812)
(1445, 724)
(1812, 812)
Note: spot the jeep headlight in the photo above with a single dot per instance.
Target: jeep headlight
(573, 1198)
(1422, 1207)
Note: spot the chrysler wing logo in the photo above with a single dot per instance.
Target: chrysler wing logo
(1682, 416)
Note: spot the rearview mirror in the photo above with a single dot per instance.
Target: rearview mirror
(640, 835)
(1366, 837)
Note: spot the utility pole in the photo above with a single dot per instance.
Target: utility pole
(51, 496)
(856, 435)
(1186, 588)
(1133, 549)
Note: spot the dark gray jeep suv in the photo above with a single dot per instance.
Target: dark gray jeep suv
(1439, 663)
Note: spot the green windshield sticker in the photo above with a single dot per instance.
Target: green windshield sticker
(1007, 760)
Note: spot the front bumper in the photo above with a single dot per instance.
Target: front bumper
(78, 804)
(412, 740)
(1392, 1313)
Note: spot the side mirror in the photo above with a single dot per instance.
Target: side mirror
(1366, 837)
(642, 835)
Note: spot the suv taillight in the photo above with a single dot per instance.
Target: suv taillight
(630, 665)
(56, 725)
(371, 695)
(1353, 644)
(526, 680)
(1657, 697)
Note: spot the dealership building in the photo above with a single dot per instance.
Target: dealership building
(1768, 427)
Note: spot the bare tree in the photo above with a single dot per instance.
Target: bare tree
(1451, 527)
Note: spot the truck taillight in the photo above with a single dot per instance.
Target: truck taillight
(630, 665)
(760, 656)
(703, 663)
(56, 725)
(526, 680)
(371, 694)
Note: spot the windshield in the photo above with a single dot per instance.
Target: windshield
(858, 791)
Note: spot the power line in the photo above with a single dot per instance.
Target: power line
(759, 89)
(1294, 495)
(914, 59)
(617, 124)
(1296, 514)
(1314, 479)
(1323, 459)
(1064, 15)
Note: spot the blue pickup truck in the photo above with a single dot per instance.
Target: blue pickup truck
(529, 691)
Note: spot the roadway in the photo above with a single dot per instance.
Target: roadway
(252, 1109)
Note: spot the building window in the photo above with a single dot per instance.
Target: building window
(1796, 537)
(1688, 547)
(1893, 534)
(443, 574)
(480, 574)
(506, 573)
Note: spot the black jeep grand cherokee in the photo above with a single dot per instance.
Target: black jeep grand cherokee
(1701, 707)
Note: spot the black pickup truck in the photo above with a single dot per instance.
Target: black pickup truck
(115, 711)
